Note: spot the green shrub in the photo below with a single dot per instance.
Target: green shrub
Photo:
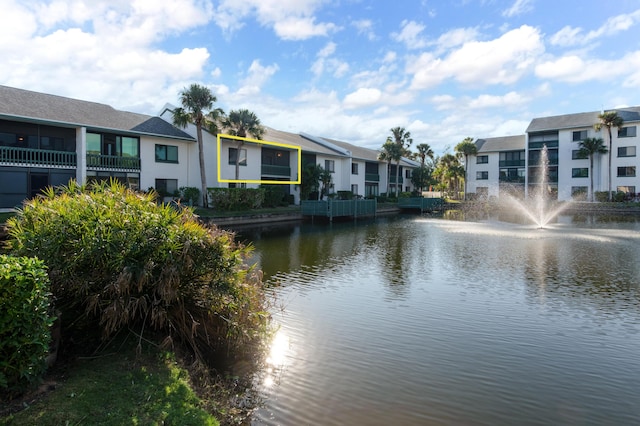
(274, 196)
(235, 199)
(117, 260)
(602, 196)
(619, 196)
(345, 195)
(190, 195)
(24, 322)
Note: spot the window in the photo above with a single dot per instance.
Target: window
(354, 189)
(482, 175)
(629, 171)
(627, 189)
(166, 187)
(233, 152)
(576, 155)
(407, 174)
(627, 151)
(627, 132)
(237, 185)
(354, 168)
(166, 154)
(580, 172)
(330, 165)
(482, 159)
(580, 135)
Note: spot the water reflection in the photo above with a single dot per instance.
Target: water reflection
(430, 321)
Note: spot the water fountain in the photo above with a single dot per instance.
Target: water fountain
(537, 207)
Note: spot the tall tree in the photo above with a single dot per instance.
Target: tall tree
(403, 140)
(465, 149)
(243, 123)
(197, 108)
(310, 183)
(388, 153)
(424, 152)
(609, 119)
(325, 178)
(449, 171)
(590, 147)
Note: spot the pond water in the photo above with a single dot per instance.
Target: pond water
(418, 320)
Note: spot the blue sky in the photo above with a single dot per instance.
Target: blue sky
(343, 69)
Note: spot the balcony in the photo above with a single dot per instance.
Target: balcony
(371, 177)
(392, 179)
(271, 170)
(37, 157)
(112, 162)
(511, 163)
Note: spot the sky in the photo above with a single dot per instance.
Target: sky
(343, 69)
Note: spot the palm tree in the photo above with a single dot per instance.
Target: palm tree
(388, 154)
(311, 175)
(241, 123)
(197, 108)
(325, 178)
(466, 148)
(424, 152)
(589, 147)
(609, 119)
(403, 140)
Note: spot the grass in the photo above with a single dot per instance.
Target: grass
(116, 388)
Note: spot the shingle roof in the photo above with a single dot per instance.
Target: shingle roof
(273, 135)
(502, 143)
(579, 120)
(19, 104)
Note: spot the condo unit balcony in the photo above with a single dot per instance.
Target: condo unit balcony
(17, 156)
(112, 162)
(371, 177)
(272, 170)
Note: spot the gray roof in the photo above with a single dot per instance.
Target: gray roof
(307, 144)
(579, 120)
(25, 105)
(502, 143)
(367, 154)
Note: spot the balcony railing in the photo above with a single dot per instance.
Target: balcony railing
(511, 163)
(371, 177)
(392, 179)
(271, 170)
(112, 162)
(39, 157)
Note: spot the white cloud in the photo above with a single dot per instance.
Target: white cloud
(362, 97)
(456, 37)
(290, 19)
(365, 27)
(410, 35)
(257, 76)
(497, 101)
(324, 62)
(500, 61)
(518, 8)
(574, 69)
(61, 48)
(571, 36)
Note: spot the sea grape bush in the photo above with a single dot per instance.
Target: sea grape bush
(119, 261)
(25, 322)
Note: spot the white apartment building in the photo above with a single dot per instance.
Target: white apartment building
(512, 163)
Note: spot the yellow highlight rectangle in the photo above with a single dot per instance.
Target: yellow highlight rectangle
(259, 181)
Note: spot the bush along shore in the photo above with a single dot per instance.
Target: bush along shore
(126, 276)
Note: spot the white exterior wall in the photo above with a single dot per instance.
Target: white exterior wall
(493, 169)
(337, 177)
(624, 161)
(253, 169)
(566, 164)
(600, 163)
(150, 170)
(359, 178)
